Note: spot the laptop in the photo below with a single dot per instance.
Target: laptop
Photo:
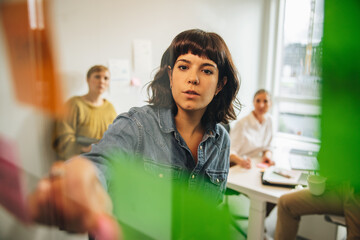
(304, 160)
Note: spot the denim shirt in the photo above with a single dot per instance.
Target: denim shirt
(150, 132)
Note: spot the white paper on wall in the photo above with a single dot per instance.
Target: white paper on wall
(142, 59)
(119, 69)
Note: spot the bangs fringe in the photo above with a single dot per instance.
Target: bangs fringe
(200, 45)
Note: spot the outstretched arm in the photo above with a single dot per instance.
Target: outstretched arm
(73, 199)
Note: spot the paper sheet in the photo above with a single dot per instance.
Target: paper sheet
(119, 69)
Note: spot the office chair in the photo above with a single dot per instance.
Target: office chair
(229, 192)
(336, 219)
(235, 217)
(339, 220)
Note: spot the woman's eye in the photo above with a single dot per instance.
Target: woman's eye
(208, 72)
(258, 100)
(182, 67)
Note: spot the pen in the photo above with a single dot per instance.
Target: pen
(282, 174)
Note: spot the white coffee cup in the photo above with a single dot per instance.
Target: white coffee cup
(316, 184)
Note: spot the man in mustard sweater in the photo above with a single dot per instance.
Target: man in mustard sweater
(87, 117)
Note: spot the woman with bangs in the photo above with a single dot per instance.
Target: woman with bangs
(192, 93)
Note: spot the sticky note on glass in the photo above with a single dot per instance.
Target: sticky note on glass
(30, 55)
(136, 82)
(154, 199)
(12, 195)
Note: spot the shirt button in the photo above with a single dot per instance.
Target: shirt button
(193, 176)
(217, 180)
(161, 175)
(200, 147)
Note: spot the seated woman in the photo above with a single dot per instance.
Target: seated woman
(87, 117)
(194, 90)
(252, 135)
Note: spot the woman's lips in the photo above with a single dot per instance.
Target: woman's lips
(190, 92)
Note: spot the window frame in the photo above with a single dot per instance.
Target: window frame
(272, 66)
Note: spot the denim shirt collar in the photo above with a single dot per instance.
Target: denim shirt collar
(167, 123)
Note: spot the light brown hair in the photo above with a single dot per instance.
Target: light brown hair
(96, 68)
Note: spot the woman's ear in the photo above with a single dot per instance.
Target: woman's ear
(221, 85)
(169, 71)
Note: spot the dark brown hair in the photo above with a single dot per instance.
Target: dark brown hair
(96, 68)
(202, 44)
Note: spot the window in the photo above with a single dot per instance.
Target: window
(297, 80)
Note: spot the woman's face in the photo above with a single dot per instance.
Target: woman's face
(193, 82)
(98, 82)
(262, 103)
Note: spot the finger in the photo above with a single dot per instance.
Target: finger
(70, 212)
(42, 207)
(57, 179)
(104, 227)
(38, 202)
(245, 164)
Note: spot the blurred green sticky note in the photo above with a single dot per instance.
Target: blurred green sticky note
(339, 155)
(152, 201)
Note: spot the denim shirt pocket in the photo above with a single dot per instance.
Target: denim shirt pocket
(215, 183)
(162, 170)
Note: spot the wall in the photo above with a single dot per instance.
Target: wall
(89, 32)
(106, 29)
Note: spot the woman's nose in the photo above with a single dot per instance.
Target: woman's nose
(194, 81)
(193, 78)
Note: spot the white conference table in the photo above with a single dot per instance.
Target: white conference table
(248, 182)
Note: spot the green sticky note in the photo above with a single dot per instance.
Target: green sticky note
(152, 201)
(340, 151)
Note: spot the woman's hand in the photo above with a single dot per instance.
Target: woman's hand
(86, 149)
(73, 199)
(244, 162)
(266, 158)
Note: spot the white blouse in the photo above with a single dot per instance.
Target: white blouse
(249, 137)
